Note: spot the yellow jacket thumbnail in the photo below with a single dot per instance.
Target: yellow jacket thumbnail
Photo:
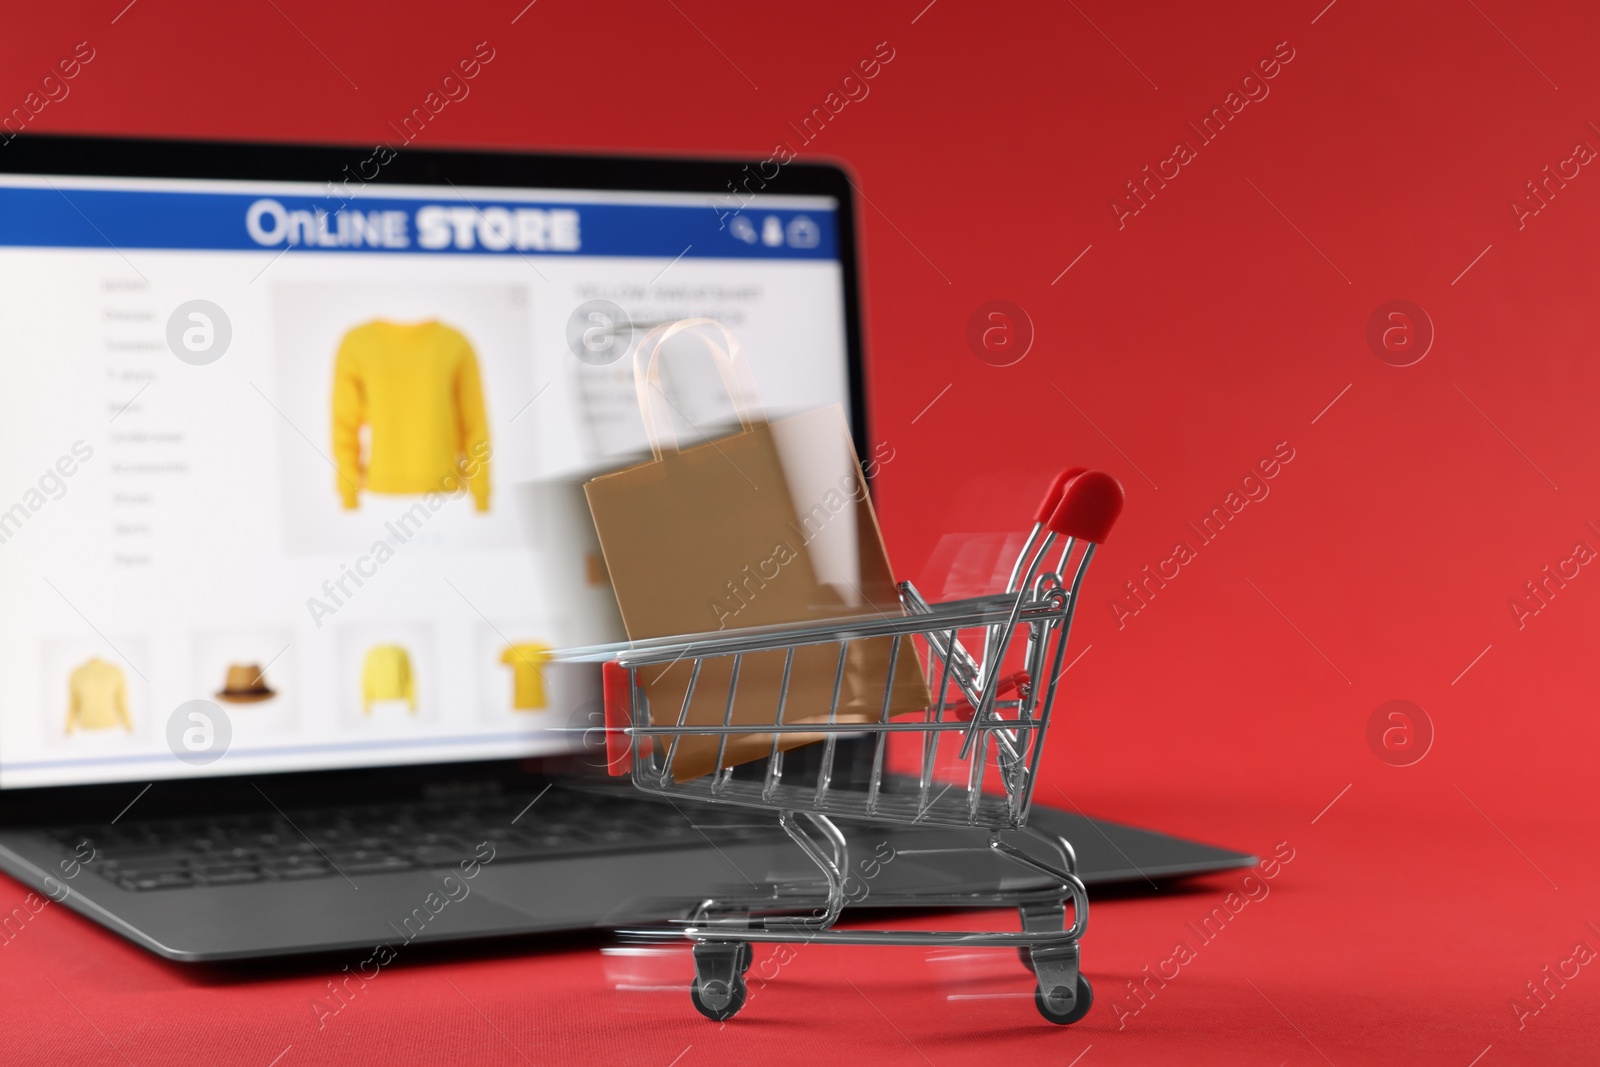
(387, 676)
(98, 697)
(416, 387)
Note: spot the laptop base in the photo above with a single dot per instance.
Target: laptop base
(506, 884)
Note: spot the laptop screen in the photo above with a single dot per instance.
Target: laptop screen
(292, 481)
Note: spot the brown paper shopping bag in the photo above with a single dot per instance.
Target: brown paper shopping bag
(710, 537)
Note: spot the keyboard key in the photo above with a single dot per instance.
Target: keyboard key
(294, 873)
(373, 866)
(439, 855)
(159, 881)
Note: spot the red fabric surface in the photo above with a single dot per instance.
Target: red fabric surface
(1184, 344)
(1384, 940)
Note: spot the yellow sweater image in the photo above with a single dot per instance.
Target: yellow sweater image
(387, 676)
(416, 388)
(98, 697)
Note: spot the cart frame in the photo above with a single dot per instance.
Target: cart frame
(998, 720)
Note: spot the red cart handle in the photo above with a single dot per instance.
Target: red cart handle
(617, 691)
(1052, 498)
(1090, 504)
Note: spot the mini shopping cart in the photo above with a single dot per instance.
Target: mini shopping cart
(993, 724)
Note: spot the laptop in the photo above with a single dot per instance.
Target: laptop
(292, 444)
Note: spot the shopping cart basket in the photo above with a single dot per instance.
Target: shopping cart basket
(985, 718)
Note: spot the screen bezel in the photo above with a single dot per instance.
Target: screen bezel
(119, 157)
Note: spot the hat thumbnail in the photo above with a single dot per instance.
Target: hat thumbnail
(245, 685)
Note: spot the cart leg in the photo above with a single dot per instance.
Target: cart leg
(1040, 917)
(712, 911)
(719, 990)
(1063, 994)
(834, 862)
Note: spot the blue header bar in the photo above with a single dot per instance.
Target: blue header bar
(449, 225)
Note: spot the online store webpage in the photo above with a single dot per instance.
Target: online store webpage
(319, 463)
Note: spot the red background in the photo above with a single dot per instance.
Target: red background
(1216, 323)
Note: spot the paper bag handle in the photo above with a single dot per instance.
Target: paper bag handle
(732, 367)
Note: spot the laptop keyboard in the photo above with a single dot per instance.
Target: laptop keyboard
(238, 849)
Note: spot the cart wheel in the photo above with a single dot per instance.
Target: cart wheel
(716, 1000)
(1047, 1004)
(747, 956)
